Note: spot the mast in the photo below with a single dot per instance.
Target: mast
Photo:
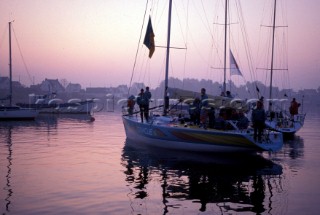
(272, 53)
(225, 48)
(166, 98)
(10, 67)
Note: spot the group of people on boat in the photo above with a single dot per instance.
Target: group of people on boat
(259, 116)
(143, 101)
(202, 115)
(226, 94)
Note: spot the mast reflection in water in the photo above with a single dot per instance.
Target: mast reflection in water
(8, 141)
(232, 182)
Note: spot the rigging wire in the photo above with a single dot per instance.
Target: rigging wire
(217, 48)
(24, 62)
(229, 40)
(207, 23)
(281, 50)
(158, 12)
(184, 38)
(215, 23)
(247, 44)
(3, 37)
(136, 56)
(286, 35)
(261, 47)
(145, 76)
(186, 44)
(2, 42)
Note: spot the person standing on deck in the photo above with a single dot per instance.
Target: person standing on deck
(203, 108)
(130, 104)
(294, 107)
(194, 111)
(141, 102)
(147, 98)
(229, 94)
(258, 118)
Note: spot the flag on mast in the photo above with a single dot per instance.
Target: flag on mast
(149, 38)
(234, 68)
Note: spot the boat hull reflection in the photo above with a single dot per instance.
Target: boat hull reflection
(233, 182)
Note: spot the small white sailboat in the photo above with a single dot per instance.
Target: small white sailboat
(17, 113)
(278, 118)
(10, 112)
(167, 132)
(51, 104)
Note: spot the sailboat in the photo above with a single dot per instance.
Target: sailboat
(49, 104)
(167, 131)
(278, 118)
(10, 112)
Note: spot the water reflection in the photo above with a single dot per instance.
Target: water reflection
(232, 182)
(63, 117)
(7, 137)
(46, 123)
(294, 147)
(12, 133)
(49, 120)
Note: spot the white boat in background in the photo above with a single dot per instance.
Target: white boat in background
(10, 112)
(51, 104)
(17, 113)
(167, 131)
(279, 119)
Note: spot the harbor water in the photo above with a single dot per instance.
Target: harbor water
(72, 165)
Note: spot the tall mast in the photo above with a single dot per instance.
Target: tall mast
(225, 47)
(10, 66)
(166, 102)
(272, 53)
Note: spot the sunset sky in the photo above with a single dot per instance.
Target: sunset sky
(94, 42)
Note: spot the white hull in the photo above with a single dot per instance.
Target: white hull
(286, 125)
(173, 136)
(83, 107)
(18, 114)
(78, 109)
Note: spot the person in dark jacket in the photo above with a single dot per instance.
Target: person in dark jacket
(194, 111)
(258, 118)
(294, 107)
(141, 102)
(130, 104)
(243, 121)
(203, 108)
(147, 98)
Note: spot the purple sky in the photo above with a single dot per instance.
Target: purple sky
(93, 42)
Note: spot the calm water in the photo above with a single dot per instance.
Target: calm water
(69, 165)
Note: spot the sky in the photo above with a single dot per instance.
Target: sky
(94, 42)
